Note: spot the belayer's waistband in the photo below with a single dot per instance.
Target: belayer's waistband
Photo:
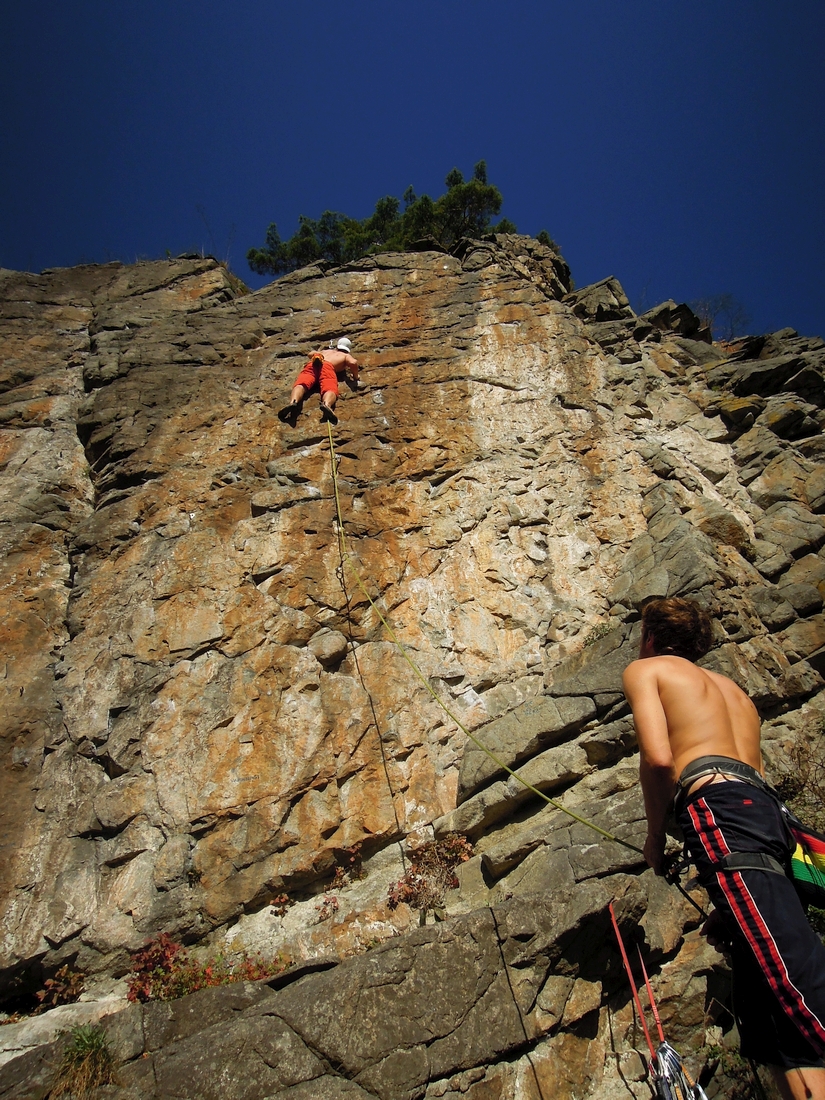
(715, 765)
(719, 765)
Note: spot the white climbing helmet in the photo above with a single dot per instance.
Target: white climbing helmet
(344, 344)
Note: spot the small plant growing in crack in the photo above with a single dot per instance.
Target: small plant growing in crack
(87, 1063)
(601, 630)
(280, 903)
(163, 970)
(328, 907)
(431, 874)
(349, 867)
(63, 989)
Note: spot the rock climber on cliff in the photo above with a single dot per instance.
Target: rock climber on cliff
(699, 735)
(321, 375)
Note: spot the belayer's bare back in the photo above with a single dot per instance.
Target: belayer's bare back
(705, 714)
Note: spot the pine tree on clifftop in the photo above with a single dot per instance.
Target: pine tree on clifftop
(464, 210)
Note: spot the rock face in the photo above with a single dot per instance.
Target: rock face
(203, 709)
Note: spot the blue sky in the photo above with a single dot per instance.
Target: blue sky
(680, 147)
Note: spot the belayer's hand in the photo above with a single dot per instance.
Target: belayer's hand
(654, 853)
(715, 931)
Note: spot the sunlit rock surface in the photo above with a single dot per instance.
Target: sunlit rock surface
(202, 710)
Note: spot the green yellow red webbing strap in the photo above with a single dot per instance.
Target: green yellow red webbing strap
(345, 556)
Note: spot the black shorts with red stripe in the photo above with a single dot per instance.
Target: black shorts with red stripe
(778, 960)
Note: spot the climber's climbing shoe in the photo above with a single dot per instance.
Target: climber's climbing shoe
(289, 414)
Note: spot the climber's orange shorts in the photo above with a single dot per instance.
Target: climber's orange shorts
(318, 377)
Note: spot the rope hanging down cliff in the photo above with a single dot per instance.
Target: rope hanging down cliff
(345, 556)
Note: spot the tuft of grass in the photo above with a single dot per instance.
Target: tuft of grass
(87, 1063)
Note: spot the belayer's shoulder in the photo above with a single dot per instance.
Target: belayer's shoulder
(634, 670)
(643, 668)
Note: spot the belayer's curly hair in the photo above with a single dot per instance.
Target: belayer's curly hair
(677, 627)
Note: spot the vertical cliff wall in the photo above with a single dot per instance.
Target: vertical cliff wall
(202, 710)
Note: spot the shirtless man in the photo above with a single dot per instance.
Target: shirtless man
(682, 715)
(320, 375)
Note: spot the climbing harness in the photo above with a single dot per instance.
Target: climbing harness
(806, 868)
(345, 555)
(671, 1081)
